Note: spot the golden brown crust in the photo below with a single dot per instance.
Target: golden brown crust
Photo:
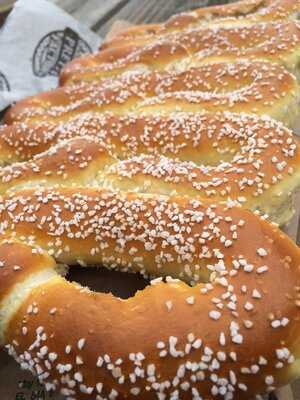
(20, 142)
(176, 135)
(48, 217)
(232, 158)
(20, 261)
(227, 337)
(257, 87)
(239, 13)
(236, 336)
(73, 225)
(278, 42)
(72, 163)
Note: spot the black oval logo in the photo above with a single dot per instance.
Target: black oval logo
(55, 50)
(4, 84)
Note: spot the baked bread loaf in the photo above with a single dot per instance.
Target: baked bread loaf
(245, 12)
(252, 87)
(236, 338)
(177, 135)
(277, 42)
(225, 158)
(107, 171)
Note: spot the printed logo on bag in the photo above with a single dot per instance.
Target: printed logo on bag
(56, 49)
(4, 84)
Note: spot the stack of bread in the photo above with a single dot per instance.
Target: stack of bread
(170, 153)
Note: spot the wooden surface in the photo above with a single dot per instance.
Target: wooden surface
(99, 15)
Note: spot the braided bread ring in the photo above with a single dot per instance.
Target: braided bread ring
(240, 13)
(33, 352)
(244, 160)
(236, 337)
(257, 87)
(276, 42)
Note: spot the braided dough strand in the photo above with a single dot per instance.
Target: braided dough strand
(257, 87)
(241, 13)
(277, 42)
(233, 159)
(175, 135)
(231, 336)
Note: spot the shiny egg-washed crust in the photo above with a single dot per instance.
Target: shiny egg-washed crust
(253, 87)
(176, 135)
(239, 13)
(277, 42)
(227, 158)
(233, 337)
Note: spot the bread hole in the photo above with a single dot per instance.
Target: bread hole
(120, 284)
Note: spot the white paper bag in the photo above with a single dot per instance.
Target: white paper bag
(37, 39)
